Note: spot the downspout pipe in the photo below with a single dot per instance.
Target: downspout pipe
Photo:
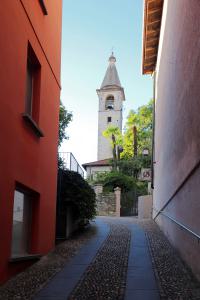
(153, 132)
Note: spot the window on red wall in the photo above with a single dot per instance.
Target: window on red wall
(25, 210)
(33, 78)
(21, 224)
(32, 96)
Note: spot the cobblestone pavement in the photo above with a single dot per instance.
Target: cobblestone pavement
(27, 283)
(116, 264)
(176, 282)
(105, 278)
(174, 279)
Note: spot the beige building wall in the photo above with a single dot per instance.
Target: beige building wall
(145, 207)
(177, 129)
(92, 171)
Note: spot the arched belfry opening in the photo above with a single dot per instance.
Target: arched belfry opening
(110, 102)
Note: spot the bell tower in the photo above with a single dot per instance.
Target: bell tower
(111, 97)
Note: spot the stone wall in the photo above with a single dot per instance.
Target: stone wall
(106, 204)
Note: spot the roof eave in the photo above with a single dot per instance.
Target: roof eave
(151, 34)
(98, 163)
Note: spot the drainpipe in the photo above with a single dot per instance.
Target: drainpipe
(153, 132)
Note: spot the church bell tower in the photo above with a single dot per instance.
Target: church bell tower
(111, 97)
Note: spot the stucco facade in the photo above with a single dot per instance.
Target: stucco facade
(177, 136)
(94, 168)
(92, 171)
(104, 145)
(28, 155)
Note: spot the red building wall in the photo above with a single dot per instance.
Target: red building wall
(24, 157)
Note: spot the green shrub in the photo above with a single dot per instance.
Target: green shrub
(142, 188)
(133, 166)
(74, 190)
(115, 179)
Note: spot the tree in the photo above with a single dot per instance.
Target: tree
(139, 121)
(142, 120)
(131, 159)
(133, 166)
(65, 118)
(114, 134)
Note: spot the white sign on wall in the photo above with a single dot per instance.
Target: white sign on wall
(145, 174)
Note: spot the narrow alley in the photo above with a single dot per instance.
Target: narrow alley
(100, 143)
(124, 259)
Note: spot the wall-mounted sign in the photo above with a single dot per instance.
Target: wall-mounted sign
(145, 174)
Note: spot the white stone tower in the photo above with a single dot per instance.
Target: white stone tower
(111, 97)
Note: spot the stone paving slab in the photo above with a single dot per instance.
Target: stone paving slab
(139, 261)
(145, 281)
(71, 271)
(141, 283)
(52, 298)
(132, 270)
(141, 295)
(63, 283)
(58, 287)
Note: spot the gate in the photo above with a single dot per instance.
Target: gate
(129, 203)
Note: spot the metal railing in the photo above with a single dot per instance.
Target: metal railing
(180, 224)
(69, 162)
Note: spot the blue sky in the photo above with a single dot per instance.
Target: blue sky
(90, 29)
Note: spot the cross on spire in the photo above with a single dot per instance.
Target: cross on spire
(112, 51)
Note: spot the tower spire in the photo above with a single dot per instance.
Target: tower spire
(111, 77)
(112, 58)
(111, 97)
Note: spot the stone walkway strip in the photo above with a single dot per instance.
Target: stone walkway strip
(105, 278)
(140, 283)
